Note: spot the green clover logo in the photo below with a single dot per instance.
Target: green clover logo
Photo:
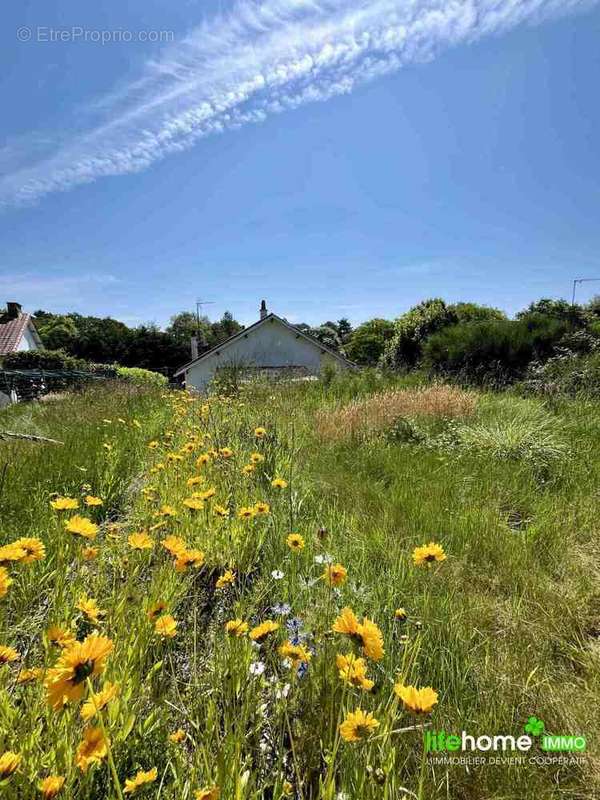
(534, 726)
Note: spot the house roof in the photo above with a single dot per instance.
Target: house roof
(13, 330)
(245, 331)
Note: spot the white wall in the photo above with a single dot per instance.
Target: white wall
(268, 345)
(27, 341)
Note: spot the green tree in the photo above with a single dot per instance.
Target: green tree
(404, 349)
(367, 342)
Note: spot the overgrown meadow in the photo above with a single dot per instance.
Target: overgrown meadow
(277, 593)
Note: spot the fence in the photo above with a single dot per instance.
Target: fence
(29, 384)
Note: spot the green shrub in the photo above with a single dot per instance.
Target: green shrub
(492, 353)
(404, 350)
(566, 374)
(43, 359)
(141, 377)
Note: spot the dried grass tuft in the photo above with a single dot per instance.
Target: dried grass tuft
(365, 418)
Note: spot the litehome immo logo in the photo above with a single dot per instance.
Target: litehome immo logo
(441, 741)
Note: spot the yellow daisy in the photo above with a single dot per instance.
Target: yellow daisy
(358, 725)
(428, 554)
(419, 701)
(82, 526)
(141, 779)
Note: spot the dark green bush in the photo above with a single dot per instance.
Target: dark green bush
(43, 359)
(496, 352)
(54, 360)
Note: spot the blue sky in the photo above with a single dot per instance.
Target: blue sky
(338, 158)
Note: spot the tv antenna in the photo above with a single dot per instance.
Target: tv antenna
(199, 304)
(580, 280)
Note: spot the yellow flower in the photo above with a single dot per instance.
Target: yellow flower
(5, 581)
(194, 503)
(353, 671)
(208, 793)
(295, 541)
(99, 700)
(287, 789)
(334, 574)
(195, 480)
(29, 675)
(51, 786)
(202, 460)
(92, 749)
(419, 701)
(236, 627)
(173, 457)
(279, 483)
(64, 503)
(89, 553)
(358, 725)
(208, 493)
(366, 633)
(60, 636)
(260, 433)
(246, 512)
(82, 526)
(175, 545)
(11, 552)
(226, 578)
(79, 661)
(428, 553)
(166, 626)
(34, 549)
(141, 779)
(177, 736)
(262, 508)
(248, 469)
(92, 501)
(9, 763)
(264, 629)
(225, 452)
(8, 654)
(297, 653)
(153, 445)
(189, 558)
(256, 458)
(140, 541)
(220, 511)
(347, 623)
(166, 511)
(372, 639)
(156, 609)
(89, 607)
(400, 614)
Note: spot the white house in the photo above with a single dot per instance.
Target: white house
(270, 347)
(17, 331)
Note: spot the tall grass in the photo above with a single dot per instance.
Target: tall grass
(502, 629)
(365, 417)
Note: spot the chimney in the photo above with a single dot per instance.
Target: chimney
(13, 310)
(263, 309)
(194, 348)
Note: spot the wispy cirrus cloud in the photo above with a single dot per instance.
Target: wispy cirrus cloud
(259, 59)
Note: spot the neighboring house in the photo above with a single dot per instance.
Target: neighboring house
(270, 347)
(17, 331)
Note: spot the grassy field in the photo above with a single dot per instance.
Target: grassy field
(362, 471)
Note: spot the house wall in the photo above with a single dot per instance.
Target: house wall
(269, 345)
(27, 341)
